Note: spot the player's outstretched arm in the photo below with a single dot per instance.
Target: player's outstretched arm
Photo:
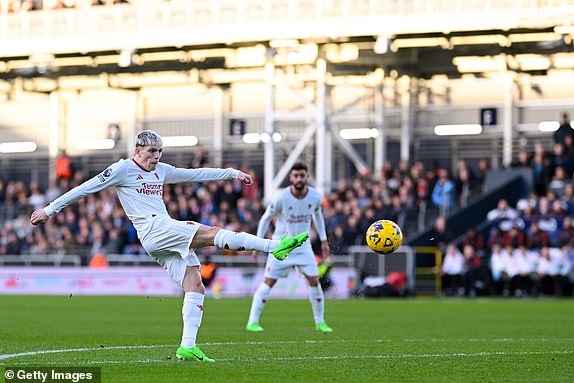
(38, 217)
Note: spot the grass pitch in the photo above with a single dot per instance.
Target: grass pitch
(133, 339)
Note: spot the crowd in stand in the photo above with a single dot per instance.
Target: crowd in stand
(527, 249)
(97, 223)
(524, 250)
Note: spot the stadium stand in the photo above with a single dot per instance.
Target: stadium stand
(299, 93)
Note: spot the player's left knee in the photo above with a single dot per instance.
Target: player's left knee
(313, 281)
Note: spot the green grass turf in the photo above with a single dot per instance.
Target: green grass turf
(411, 340)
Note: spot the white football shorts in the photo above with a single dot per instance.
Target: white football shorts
(302, 258)
(168, 243)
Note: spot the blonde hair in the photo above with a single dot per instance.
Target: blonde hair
(148, 138)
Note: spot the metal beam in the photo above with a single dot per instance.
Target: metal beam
(508, 119)
(381, 139)
(295, 153)
(219, 112)
(349, 151)
(269, 183)
(134, 114)
(322, 159)
(406, 116)
(54, 140)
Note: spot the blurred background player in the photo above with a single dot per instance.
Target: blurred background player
(208, 270)
(139, 184)
(294, 208)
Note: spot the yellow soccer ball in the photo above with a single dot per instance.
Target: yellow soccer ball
(384, 236)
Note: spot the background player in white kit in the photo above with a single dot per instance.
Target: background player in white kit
(139, 184)
(294, 207)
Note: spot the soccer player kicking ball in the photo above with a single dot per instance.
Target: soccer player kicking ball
(294, 206)
(139, 184)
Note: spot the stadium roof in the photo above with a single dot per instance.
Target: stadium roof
(440, 38)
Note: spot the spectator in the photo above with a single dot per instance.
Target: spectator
(440, 233)
(36, 199)
(474, 277)
(338, 245)
(558, 182)
(198, 158)
(569, 150)
(443, 194)
(475, 239)
(503, 215)
(565, 129)
(563, 261)
(498, 263)
(559, 158)
(568, 198)
(513, 237)
(541, 170)
(464, 182)
(546, 272)
(452, 271)
(566, 234)
(521, 266)
(481, 174)
(536, 238)
(11, 245)
(64, 166)
(523, 160)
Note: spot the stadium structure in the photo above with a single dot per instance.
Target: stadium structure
(344, 85)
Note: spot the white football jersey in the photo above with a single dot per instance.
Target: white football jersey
(140, 191)
(294, 215)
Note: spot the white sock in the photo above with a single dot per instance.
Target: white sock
(225, 239)
(259, 299)
(192, 313)
(317, 303)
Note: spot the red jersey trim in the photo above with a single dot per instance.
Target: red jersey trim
(139, 166)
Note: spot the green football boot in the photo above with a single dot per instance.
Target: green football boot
(289, 244)
(254, 327)
(323, 327)
(193, 353)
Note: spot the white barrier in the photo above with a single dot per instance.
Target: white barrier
(229, 282)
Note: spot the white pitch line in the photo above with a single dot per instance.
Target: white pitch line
(327, 357)
(43, 352)
(311, 341)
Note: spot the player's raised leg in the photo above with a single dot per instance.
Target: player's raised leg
(226, 239)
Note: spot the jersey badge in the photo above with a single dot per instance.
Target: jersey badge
(105, 174)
